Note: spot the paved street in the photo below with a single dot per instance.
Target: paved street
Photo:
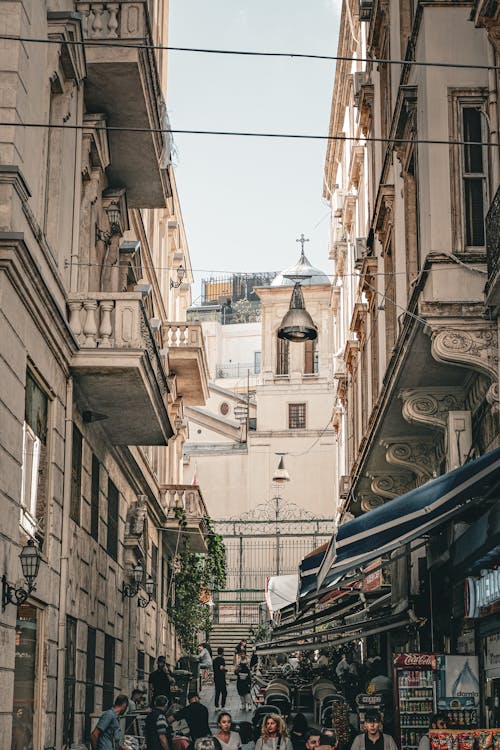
(233, 705)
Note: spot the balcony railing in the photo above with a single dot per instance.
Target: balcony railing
(186, 514)
(492, 289)
(118, 361)
(184, 345)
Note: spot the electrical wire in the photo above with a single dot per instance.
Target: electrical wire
(246, 53)
(247, 134)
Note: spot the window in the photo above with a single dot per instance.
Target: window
(282, 351)
(154, 566)
(473, 176)
(76, 475)
(257, 362)
(69, 682)
(469, 169)
(310, 357)
(297, 416)
(108, 680)
(94, 499)
(35, 463)
(90, 682)
(112, 535)
(140, 666)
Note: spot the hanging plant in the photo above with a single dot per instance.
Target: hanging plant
(196, 577)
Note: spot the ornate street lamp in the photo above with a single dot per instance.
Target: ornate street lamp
(181, 272)
(297, 325)
(30, 564)
(129, 590)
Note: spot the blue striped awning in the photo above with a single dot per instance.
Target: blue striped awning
(309, 569)
(405, 518)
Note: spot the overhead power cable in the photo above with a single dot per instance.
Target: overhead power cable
(244, 134)
(248, 53)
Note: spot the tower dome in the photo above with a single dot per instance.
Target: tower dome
(301, 271)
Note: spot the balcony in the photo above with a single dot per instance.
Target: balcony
(123, 83)
(493, 253)
(185, 350)
(118, 368)
(186, 516)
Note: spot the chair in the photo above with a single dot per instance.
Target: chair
(282, 702)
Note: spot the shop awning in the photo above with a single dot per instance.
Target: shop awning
(281, 591)
(309, 569)
(399, 521)
(335, 636)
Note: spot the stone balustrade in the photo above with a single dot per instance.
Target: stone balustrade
(108, 320)
(182, 334)
(185, 496)
(127, 19)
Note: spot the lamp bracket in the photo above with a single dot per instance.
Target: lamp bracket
(14, 594)
(129, 590)
(142, 602)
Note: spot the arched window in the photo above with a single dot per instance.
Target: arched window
(310, 357)
(282, 356)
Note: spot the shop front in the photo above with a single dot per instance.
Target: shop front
(26, 714)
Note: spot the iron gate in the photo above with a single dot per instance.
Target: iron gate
(270, 540)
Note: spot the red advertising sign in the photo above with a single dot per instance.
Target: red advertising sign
(416, 661)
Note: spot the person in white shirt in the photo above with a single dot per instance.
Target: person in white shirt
(274, 735)
(228, 740)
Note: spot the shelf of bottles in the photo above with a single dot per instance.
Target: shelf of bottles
(416, 705)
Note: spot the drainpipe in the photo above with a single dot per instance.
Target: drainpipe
(493, 120)
(63, 580)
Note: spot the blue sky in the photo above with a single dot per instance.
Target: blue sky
(246, 200)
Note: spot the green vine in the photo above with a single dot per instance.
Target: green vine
(195, 578)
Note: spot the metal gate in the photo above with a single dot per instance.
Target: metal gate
(270, 540)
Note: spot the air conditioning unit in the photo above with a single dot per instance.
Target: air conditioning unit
(365, 10)
(358, 80)
(360, 249)
(344, 486)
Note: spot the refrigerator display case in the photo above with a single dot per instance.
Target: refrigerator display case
(415, 696)
(458, 690)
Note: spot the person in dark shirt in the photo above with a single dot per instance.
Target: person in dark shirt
(373, 738)
(219, 667)
(159, 682)
(195, 714)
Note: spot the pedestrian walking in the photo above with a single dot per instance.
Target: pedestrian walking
(158, 732)
(244, 684)
(219, 668)
(160, 681)
(107, 734)
(273, 734)
(195, 714)
(239, 651)
(373, 738)
(298, 732)
(205, 663)
(228, 740)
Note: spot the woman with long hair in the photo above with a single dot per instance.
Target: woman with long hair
(273, 734)
(228, 740)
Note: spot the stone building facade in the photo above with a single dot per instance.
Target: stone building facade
(411, 172)
(97, 361)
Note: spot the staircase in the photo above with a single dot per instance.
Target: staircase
(227, 636)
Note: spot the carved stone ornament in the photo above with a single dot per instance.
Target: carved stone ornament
(431, 406)
(370, 502)
(391, 485)
(422, 456)
(474, 346)
(138, 516)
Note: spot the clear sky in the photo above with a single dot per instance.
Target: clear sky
(245, 200)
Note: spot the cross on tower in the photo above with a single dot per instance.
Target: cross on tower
(302, 240)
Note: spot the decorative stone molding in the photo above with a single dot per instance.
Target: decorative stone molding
(431, 406)
(66, 27)
(368, 501)
(384, 212)
(95, 146)
(422, 456)
(391, 485)
(366, 99)
(138, 516)
(474, 345)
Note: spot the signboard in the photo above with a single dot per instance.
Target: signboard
(481, 593)
(416, 661)
(492, 655)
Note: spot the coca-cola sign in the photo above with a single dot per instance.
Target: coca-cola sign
(415, 660)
